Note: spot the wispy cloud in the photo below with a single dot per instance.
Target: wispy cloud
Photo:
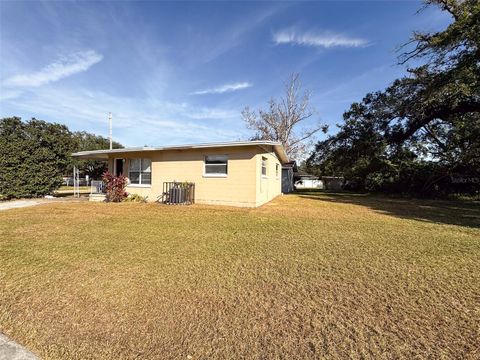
(316, 39)
(64, 67)
(136, 121)
(208, 47)
(224, 88)
(6, 94)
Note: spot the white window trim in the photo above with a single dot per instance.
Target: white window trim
(130, 184)
(266, 167)
(139, 185)
(214, 175)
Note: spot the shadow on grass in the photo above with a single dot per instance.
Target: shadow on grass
(65, 194)
(452, 212)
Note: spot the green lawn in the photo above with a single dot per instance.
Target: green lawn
(306, 276)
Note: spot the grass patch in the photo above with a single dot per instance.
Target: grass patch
(306, 276)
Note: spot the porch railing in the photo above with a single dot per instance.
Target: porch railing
(97, 187)
(178, 193)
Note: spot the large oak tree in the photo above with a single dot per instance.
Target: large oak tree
(424, 128)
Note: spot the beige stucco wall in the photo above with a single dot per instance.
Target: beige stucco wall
(270, 186)
(243, 186)
(239, 188)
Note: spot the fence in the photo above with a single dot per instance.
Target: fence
(176, 193)
(70, 181)
(97, 187)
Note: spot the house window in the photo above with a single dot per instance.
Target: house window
(264, 166)
(277, 170)
(216, 165)
(140, 171)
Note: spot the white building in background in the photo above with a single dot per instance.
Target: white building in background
(309, 184)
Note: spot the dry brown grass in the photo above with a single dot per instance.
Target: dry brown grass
(309, 276)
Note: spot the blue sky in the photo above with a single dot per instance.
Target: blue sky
(181, 72)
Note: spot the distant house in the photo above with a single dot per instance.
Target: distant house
(307, 181)
(242, 173)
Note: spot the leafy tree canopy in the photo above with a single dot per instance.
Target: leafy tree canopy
(85, 141)
(34, 155)
(424, 128)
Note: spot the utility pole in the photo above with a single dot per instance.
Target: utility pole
(110, 128)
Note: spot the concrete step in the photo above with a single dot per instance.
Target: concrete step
(97, 197)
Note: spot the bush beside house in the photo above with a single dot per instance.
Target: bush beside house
(115, 187)
(33, 157)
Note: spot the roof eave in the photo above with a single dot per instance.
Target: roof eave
(103, 154)
(280, 150)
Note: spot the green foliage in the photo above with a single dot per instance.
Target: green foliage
(33, 157)
(35, 154)
(422, 130)
(136, 198)
(85, 141)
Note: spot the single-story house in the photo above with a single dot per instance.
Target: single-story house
(240, 173)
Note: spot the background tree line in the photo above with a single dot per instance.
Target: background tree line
(421, 135)
(35, 155)
(416, 136)
(424, 129)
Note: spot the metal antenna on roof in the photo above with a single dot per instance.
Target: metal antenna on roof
(110, 128)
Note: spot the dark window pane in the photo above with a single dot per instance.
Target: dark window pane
(118, 167)
(216, 159)
(146, 178)
(134, 177)
(264, 166)
(215, 162)
(146, 165)
(215, 169)
(134, 165)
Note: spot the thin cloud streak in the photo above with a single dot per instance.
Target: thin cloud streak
(64, 67)
(316, 39)
(224, 88)
(136, 121)
(215, 46)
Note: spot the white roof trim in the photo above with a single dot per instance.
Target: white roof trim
(103, 154)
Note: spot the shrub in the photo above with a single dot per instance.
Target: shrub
(135, 198)
(85, 141)
(33, 157)
(114, 187)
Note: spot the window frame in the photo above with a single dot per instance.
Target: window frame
(115, 166)
(215, 175)
(140, 173)
(264, 165)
